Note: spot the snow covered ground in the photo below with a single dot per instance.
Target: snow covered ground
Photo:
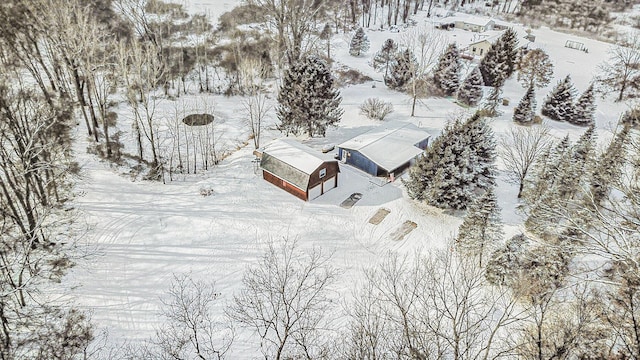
(140, 233)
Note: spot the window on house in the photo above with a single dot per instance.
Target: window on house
(474, 49)
(323, 173)
(481, 51)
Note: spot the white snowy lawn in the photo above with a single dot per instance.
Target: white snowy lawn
(140, 233)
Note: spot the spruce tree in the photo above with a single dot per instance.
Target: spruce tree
(504, 264)
(479, 137)
(308, 101)
(525, 111)
(585, 109)
(509, 40)
(608, 168)
(359, 43)
(500, 61)
(481, 229)
(402, 70)
(559, 103)
(446, 75)
(457, 165)
(385, 57)
(470, 91)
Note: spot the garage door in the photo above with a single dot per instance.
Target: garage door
(329, 184)
(315, 192)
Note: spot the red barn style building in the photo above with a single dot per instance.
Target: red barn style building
(299, 169)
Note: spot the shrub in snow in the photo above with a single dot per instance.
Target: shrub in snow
(359, 43)
(206, 191)
(376, 109)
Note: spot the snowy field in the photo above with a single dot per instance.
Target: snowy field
(141, 233)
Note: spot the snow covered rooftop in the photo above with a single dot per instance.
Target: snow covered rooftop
(297, 155)
(390, 145)
(465, 18)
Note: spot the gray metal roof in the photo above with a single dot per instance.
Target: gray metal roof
(292, 161)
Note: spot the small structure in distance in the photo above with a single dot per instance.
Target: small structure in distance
(298, 169)
(571, 44)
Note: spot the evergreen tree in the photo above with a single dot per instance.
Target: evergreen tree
(480, 140)
(608, 169)
(308, 100)
(509, 40)
(470, 91)
(402, 70)
(386, 56)
(457, 165)
(359, 43)
(481, 229)
(505, 263)
(535, 69)
(572, 168)
(525, 111)
(499, 62)
(584, 109)
(446, 75)
(559, 103)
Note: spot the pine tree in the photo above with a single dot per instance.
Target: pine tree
(470, 91)
(386, 56)
(525, 111)
(509, 41)
(505, 263)
(481, 229)
(457, 165)
(308, 101)
(481, 141)
(359, 43)
(585, 109)
(608, 169)
(446, 75)
(559, 103)
(402, 70)
(499, 62)
(535, 69)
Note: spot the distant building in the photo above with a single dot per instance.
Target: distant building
(298, 169)
(480, 47)
(387, 150)
(466, 22)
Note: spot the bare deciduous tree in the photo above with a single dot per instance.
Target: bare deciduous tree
(190, 329)
(623, 66)
(432, 308)
(285, 301)
(520, 148)
(426, 44)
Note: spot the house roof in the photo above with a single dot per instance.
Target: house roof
(390, 145)
(465, 18)
(490, 39)
(292, 161)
